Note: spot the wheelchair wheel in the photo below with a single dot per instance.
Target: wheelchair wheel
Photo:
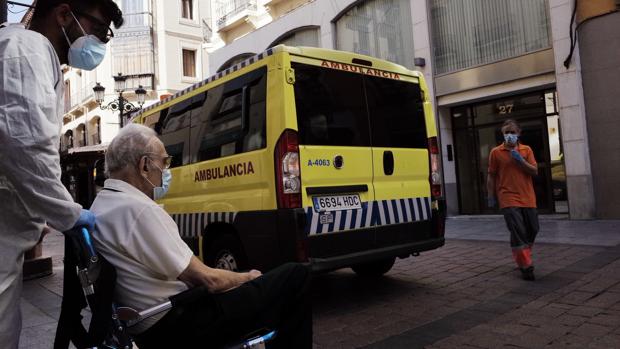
(225, 252)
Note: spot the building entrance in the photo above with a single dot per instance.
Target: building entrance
(477, 131)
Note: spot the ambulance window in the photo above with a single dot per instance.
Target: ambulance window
(220, 124)
(330, 107)
(396, 113)
(173, 130)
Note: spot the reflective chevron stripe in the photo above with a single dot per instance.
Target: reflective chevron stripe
(191, 225)
(375, 213)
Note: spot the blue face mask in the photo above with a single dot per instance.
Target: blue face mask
(511, 139)
(166, 179)
(87, 51)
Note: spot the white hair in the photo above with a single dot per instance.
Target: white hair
(131, 143)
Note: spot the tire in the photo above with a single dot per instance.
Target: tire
(225, 252)
(375, 268)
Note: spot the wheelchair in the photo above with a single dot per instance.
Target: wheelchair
(89, 281)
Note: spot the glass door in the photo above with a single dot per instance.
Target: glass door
(477, 132)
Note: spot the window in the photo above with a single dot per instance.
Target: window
(468, 33)
(132, 50)
(135, 13)
(67, 96)
(338, 108)
(189, 63)
(303, 37)
(172, 127)
(330, 107)
(396, 113)
(187, 9)
(378, 28)
(231, 117)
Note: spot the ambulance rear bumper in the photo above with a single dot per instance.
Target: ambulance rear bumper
(346, 260)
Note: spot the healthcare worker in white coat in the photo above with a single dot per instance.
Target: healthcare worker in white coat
(31, 94)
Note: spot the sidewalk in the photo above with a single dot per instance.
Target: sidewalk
(552, 230)
(41, 298)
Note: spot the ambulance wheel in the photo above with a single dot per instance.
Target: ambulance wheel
(225, 252)
(376, 268)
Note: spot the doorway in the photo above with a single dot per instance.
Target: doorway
(477, 131)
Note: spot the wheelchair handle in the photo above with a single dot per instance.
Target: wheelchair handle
(87, 240)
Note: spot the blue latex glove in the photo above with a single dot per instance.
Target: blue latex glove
(87, 219)
(491, 202)
(516, 155)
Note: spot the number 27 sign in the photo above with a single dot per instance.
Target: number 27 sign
(505, 109)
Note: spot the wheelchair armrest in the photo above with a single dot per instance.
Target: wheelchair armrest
(188, 295)
(131, 316)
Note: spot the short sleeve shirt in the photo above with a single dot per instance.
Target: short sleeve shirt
(143, 243)
(513, 186)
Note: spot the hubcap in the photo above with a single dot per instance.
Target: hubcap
(226, 260)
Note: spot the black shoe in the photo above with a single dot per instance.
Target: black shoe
(528, 274)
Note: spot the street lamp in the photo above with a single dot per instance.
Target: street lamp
(121, 104)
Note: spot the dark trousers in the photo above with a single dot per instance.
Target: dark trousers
(276, 300)
(522, 222)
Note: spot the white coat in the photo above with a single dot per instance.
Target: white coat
(31, 193)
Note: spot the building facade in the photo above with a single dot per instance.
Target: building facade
(159, 47)
(485, 62)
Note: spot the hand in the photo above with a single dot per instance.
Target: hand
(253, 274)
(491, 202)
(87, 219)
(46, 230)
(224, 280)
(516, 155)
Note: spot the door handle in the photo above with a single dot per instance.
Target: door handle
(388, 163)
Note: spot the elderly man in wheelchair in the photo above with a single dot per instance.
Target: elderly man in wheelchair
(142, 242)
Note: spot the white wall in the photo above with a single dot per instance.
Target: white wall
(172, 34)
(572, 115)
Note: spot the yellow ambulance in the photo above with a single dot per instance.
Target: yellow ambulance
(304, 154)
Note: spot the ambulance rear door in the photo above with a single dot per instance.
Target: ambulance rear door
(400, 156)
(335, 158)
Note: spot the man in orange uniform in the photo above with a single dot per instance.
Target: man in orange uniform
(511, 168)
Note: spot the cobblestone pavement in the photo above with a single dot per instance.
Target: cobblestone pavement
(465, 295)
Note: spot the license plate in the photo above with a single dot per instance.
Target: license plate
(337, 202)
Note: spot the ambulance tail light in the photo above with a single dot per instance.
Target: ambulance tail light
(288, 174)
(435, 164)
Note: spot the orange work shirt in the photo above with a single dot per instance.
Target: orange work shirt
(513, 186)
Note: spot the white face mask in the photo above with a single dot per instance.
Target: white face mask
(511, 139)
(166, 179)
(87, 51)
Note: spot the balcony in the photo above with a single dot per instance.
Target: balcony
(132, 49)
(78, 98)
(232, 13)
(279, 8)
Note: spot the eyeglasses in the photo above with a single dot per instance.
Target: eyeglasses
(166, 159)
(101, 29)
